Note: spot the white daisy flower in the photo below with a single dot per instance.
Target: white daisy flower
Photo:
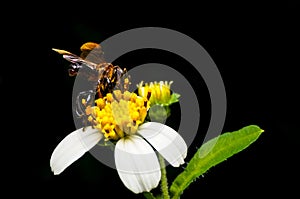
(121, 119)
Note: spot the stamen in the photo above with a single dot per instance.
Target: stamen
(118, 114)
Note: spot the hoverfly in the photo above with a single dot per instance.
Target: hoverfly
(92, 66)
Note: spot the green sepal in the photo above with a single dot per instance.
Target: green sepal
(174, 98)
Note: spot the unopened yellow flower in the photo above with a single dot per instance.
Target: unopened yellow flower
(160, 92)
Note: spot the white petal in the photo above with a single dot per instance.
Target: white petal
(166, 141)
(72, 147)
(137, 164)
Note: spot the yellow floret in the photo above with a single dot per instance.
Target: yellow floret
(118, 114)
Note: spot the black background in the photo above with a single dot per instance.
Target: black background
(252, 46)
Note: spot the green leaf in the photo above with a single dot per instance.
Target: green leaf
(149, 195)
(212, 153)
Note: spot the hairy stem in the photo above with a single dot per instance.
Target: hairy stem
(164, 180)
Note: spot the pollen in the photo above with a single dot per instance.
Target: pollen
(118, 114)
(83, 101)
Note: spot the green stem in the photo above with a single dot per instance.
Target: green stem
(164, 180)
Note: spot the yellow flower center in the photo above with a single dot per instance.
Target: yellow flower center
(118, 114)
